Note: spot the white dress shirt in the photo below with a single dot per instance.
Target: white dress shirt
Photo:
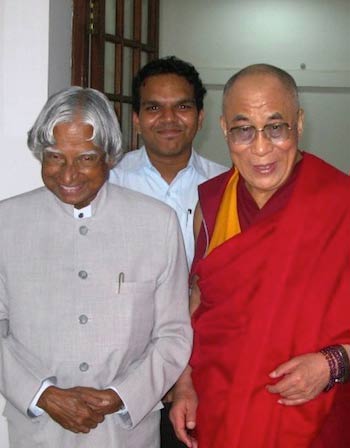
(135, 171)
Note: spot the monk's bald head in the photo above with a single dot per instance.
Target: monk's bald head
(258, 70)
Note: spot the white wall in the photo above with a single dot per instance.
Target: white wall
(220, 37)
(23, 88)
(25, 80)
(26, 46)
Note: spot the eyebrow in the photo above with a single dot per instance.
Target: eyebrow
(143, 103)
(186, 100)
(240, 117)
(50, 149)
(58, 151)
(276, 116)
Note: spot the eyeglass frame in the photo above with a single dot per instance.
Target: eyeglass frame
(263, 129)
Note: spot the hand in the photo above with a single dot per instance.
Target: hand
(183, 410)
(304, 377)
(168, 397)
(101, 401)
(195, 297)
(68, 408)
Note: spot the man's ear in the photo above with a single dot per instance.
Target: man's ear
(200, 119)
(111, 163)
(136, 121)
(300, 125)
(223, 126)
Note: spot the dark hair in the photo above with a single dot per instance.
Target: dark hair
(164, 66)
(285, 78)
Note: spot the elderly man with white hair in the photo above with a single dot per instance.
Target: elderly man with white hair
(93, 291)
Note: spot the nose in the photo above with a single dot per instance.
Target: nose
(261, 144)
(68, 173)
(168, 114)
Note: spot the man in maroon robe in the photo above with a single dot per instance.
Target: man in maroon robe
(271, 283)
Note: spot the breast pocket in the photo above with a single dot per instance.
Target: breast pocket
(131, 316)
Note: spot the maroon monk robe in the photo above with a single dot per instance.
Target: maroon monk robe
(277, 290)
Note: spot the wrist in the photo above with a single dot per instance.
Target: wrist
(338, 363)
(114, 399)
(42, 401)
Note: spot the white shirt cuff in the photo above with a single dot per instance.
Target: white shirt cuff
(33, 409)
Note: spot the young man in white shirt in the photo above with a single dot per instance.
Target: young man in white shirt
(168, 112)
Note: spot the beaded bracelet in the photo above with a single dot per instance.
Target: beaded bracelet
(346, 363)
(339, 366)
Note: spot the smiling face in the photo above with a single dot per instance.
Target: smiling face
(257, 100)
(74, 169)
(168, 118)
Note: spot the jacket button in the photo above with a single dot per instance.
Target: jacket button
(83, 319)
(83, 230)
(83, 274)
(84, 366)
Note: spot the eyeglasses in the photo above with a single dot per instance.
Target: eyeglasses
(86, 160)
(275, 132)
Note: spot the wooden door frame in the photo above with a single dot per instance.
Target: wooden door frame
(80, 43)
(88, 40)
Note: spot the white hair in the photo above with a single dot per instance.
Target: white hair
(92, 107)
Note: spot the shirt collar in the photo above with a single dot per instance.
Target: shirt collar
(90, 210)
(85, 212)
(195, 162)
(143, 161)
